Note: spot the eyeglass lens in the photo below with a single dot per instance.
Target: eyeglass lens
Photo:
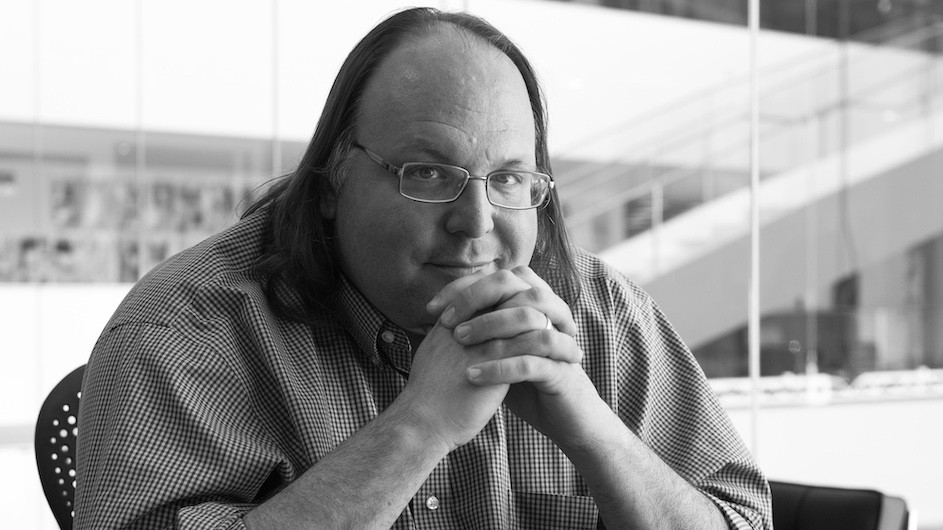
(433, 182)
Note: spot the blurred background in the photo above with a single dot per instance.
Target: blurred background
(130, 130)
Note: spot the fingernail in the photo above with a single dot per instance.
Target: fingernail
(462, 331)
(447, 315)
(473, 373)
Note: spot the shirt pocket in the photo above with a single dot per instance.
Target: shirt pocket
(541, 511)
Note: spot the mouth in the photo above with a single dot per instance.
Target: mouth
(460, 268)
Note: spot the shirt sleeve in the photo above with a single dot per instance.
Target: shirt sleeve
(664, 397)
(168, 437)
(212, 515)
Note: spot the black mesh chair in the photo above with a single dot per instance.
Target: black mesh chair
(805, 507)
(56, 429)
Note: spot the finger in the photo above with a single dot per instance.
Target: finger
(443, 298)
(463, 301)
(546, 373)
(551, 345)
(543, 298)
(500, 324)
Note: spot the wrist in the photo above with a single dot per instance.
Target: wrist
(415, 425)
(600, 433)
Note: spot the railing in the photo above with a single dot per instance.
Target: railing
(851, 352)
(813, 106)
(823, 389)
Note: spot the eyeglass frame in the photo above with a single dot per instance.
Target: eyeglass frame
(398, 172)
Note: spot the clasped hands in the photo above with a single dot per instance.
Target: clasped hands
(491, 344)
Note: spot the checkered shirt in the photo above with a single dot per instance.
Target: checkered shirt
(199, 403)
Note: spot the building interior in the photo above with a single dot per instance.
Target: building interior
(781, 180)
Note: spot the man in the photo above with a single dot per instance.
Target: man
(398, 335)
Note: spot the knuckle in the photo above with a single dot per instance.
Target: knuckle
(571, 349)
(534, 296)
(541, 295)
(505, 276)
(529, 317)
(527, 366)
(484, 321)
(540, 341)
(497, 349)
(466, 297)
(522, 270)
(500, 369)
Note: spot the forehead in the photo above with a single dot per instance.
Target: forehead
(447, 85)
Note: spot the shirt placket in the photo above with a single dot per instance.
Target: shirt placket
(431, 506)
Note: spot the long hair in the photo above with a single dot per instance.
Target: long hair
(299, 253)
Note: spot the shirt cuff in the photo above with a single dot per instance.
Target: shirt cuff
(213, 515)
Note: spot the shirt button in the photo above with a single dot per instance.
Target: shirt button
(432, 502)
(388, 336)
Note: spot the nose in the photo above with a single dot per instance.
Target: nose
(471, 214)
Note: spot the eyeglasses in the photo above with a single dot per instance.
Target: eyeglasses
(439, 183)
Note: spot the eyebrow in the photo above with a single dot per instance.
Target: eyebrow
(422, 149)
(437, 156)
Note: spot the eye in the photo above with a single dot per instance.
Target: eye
(425, 172)
(507, 179)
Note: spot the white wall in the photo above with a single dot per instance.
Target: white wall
(889, 446)
(47, 330)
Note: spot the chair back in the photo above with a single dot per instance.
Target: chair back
(56, 430)
(807, 507)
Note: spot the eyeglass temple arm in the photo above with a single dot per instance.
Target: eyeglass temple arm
(376, 158)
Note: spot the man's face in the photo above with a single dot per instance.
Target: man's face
(444, 98)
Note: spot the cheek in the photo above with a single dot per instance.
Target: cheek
(520, 236)
(376, 230)
(358, 210)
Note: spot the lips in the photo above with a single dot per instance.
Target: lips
(458, 268)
